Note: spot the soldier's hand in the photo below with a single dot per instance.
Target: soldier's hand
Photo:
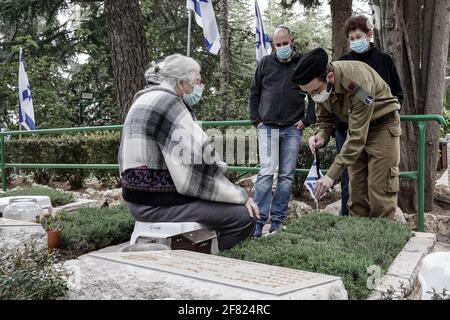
(315, 142)
(322, 185)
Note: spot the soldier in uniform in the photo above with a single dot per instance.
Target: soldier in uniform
(356, 94)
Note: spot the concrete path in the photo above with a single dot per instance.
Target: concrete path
(441, 247)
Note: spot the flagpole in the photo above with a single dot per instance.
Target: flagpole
(189, 33)
(270, 13)
(20, 138)
(20, 124)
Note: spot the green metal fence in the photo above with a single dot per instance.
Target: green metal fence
(418, 175)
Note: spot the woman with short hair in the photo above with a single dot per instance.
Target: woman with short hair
(359, 32)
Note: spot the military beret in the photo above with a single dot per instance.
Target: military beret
(311, 66)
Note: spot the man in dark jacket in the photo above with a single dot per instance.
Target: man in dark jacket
(277, 109)
(359, 32)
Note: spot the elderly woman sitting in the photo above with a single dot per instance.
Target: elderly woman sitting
(170, 172)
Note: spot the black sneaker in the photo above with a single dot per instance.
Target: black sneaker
(258, 230)
(274, 226)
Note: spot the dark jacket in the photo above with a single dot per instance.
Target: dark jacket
(381, 63)
(274, 98)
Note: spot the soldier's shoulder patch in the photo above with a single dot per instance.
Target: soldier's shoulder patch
(364, 96)
(369, 100)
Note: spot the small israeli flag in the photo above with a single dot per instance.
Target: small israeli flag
(26, 112)
(263, 47)
(206, 19)
(312, 178)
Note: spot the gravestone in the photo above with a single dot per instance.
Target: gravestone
(42, 201)
(191, 275)
(14, 234)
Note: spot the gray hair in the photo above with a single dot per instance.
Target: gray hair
(173, 68)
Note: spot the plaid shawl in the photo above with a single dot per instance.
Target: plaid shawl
(161, 133)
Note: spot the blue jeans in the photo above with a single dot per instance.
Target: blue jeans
(340, 140)
(278, 147)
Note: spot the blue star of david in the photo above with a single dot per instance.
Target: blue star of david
(26, 94)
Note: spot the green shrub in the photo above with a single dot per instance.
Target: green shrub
(31, 274)
(104, 148)
(83, 148)
(327, 244)
(443, 295)
(57, 198)
(92, 229)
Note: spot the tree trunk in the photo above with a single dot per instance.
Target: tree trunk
(128, 49)
(224, 56)
(447, 83)
(341, 10)
(408, 54)
(396, 42)
(416, 34)
(438, 18)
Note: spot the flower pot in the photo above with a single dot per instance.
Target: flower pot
(53, 239)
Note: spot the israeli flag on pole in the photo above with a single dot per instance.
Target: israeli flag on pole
(26, 112)
(312, 178)
(206, 19)
(263, 46)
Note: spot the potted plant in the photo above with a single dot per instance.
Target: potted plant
(51, 224)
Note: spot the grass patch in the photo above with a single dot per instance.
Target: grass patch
(57, 198)
(91, 229)
(327, 244)
(31, 274)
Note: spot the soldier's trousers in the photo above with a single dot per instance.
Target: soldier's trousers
(374, 177)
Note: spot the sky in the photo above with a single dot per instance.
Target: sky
(358, 5)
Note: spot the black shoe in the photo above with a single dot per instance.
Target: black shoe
(274, 226)
(258, 230)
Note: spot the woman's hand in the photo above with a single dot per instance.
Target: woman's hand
(252, 208)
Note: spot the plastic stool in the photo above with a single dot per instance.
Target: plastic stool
(162, 230)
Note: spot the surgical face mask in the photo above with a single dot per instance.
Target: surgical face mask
(195, 96)
(284, 52)
(321, 97)
(360, 46)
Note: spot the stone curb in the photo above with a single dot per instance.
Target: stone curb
(405, 268)
(79, 203)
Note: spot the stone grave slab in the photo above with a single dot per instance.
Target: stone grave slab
(193, 275)
(15, 233)
(4, 222)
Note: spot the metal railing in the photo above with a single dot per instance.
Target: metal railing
(418, 175)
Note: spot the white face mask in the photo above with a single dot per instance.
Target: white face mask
(321, 97)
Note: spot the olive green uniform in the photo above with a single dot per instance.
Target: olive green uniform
(372, 149)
